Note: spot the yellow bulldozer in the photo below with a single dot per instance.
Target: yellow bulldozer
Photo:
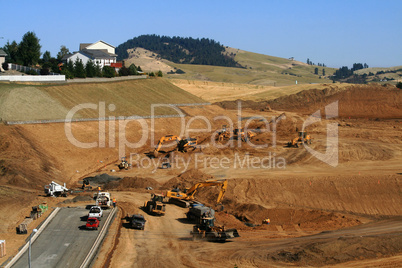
(298, 141)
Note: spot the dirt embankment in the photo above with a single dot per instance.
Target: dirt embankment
(357, 101)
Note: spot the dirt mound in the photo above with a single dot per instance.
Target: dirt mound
(102, 179)
(77, 199)
(131, 183)
(187, 179)
(356, 101)
(328, 253)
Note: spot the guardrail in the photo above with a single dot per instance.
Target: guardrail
(88, 259)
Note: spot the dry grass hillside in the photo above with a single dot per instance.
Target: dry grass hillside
(128, 98)
(258, 69)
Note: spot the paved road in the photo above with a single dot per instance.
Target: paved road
(64, 242)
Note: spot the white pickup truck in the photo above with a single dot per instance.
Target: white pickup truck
(95, 212)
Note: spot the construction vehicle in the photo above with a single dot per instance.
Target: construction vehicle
(162, 140)
(184, 144)
(237, 133)
(103, 200)
(298, 141)
(86, 185)
(206, 229)
(55, 189)
(123, 164)
(155, 206)
(198, 211)
(185, 198)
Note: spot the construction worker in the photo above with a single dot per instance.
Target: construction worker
(99, 189)
(114, 202)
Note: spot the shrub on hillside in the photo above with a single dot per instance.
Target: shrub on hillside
(399, 85)
(108, 72)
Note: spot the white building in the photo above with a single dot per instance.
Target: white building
(2, 59)
(99, 52)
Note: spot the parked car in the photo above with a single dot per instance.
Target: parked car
(137, 222)
(92, 223)
(95, 212)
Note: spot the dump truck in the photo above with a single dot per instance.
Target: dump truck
(55, 189)
(198, 211)
(206, 229)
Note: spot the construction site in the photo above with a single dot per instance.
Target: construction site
(312, 178)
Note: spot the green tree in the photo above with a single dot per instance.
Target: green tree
(79, 70)
(133, 69)
(160, 74)
(124, 71)
(70, 66)
(399, 85)
(323, 72)
(316, 70)
(11, 51)
(90, 69)
(98, 70)
(63, 51)
(29, 49)
(46, 56)
(108, 72)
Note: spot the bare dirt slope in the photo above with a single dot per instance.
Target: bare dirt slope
(320, 215)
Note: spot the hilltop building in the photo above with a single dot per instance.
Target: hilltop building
(99, 52)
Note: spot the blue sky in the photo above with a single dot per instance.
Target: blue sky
(335, 32)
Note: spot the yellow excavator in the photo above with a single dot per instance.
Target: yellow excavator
(185, 198)
(302, 138)
(162, 140)
(182, 144)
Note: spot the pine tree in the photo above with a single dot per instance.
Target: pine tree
(79, 70)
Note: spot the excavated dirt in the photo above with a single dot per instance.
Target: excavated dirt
(320, 215)
(357, 101)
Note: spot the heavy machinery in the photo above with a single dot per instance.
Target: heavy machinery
(185, 198)
(162, 140)
(55, 189)
(237, 133)
(185, 144)
(198, 211)
(298, 141)
(182, 144)
(155, 205)
(206, 229)
(103, 200)
(86, 185)
(124, 163)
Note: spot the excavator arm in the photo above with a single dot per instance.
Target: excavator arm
(190, 193)
(163, 140)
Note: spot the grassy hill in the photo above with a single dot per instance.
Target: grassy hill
(259, 70)
(133, 97)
